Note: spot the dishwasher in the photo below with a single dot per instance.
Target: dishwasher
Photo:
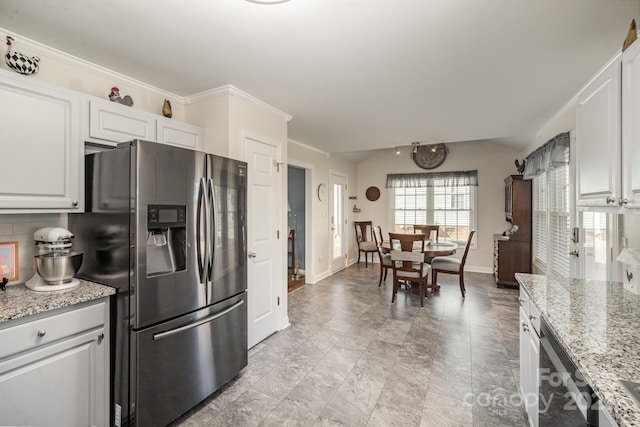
(565, 397)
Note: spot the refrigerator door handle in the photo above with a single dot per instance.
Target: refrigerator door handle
(212, 232)
(202, 247)
(207, 319)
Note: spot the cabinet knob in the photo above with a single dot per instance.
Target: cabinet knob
(74, 203)
(525, 327)
(100, 338)
(532, 317)
(42, 332)
(574, 253)
(623, 201)
(251, 254)
(521, 301)
(611, 199)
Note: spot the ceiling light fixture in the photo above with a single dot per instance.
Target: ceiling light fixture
(414, 147)
(268, 1)
(397, 151)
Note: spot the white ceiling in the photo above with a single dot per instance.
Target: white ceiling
(354, 74)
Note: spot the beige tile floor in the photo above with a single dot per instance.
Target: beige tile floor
(351, 358)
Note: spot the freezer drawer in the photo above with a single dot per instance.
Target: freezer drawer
(181, 362)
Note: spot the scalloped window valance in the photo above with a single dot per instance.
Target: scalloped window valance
(433, 179)
(552, 154)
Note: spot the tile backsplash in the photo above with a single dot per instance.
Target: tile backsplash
(20, 228)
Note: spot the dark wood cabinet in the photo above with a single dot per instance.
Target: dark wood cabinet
(513, 255)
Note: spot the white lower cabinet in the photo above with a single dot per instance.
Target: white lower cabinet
(55, 370)
(529, 357)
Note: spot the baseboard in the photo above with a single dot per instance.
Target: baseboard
(477, 269)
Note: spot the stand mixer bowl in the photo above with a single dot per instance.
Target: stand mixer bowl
(57, 267)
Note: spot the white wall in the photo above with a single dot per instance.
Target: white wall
(493, 162)
(318, 258)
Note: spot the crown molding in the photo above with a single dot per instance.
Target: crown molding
(234, 91)
(68, 59)
(308, 147)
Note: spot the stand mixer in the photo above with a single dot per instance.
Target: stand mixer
(54, 261)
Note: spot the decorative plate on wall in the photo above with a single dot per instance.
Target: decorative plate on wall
(430, 156)
(373, 193)
(322, 192)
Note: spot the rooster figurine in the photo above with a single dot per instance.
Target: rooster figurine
(18, 62)
(115, 97)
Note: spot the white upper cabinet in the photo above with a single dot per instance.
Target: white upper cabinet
(112, 122)
(180, 134)
(630, 197)
(118, 123)
(598, 140)
(41, 145)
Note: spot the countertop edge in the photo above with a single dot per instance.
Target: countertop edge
(18, 301)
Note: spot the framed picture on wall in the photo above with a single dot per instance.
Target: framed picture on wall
(9, 260)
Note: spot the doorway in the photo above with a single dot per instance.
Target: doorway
(338, 221)
(297, 226)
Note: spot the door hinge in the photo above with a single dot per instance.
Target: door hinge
(278, 300)
(277, 165)
(278, 234)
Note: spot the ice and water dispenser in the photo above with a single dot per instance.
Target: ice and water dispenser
(166, 239)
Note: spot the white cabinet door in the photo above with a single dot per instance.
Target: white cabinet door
(598, 140)
(41, 147)
(118, 123)
(631, 127)
(180, 134)
(57, 385)
(55, 370)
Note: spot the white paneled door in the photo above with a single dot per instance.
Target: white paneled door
(262, 243)
(338, 221)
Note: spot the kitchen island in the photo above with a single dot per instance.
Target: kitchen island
(597, 323)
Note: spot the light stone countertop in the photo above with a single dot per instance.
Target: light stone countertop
(598, 324)
(18, 301)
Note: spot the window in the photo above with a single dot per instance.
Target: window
(548, 167)
(446, 199)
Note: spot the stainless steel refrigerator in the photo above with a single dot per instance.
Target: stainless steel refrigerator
(166, 226)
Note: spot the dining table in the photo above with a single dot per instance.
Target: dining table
(431, 249)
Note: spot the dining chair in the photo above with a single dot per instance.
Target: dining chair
(365, 242)
(385, 258)
(408, 262)
(426, 230)
(448, 265)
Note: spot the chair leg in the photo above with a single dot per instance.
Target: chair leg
(421, 286)
(394, 291)
(381, 268)
(434, 280)
(384, 279)
(366, 260)
(359, 256)
(462, 289)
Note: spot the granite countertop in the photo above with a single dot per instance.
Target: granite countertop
(19, 301)
(598, 324)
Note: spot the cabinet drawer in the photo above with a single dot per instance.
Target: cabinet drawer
(15, 339)
(524, 301)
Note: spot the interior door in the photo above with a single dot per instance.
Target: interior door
(338, 221)
(263, 269)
